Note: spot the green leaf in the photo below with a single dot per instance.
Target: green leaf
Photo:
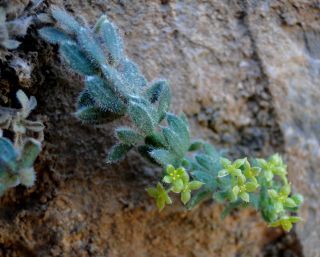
(90, 46)
(132, 76)
(112, 41)
(163, 157)
(141, 118)
(184, 118)
(30, 151)
(154, 91)
(167, 179)
(7, 151)
(212, 151)
(180, 128)
(53, 35)
(286, 225)
(174, 142)
(114, 81)
(238, 163)
(27, 177)
(206, 178)
(198, 197)
(205, 161)
(10, 44)
(95, 115)
(223, 173)
(75, 58)
(128, 136)
(245, 197)
(195, 145)
(251, 186)
(156, 139)
(185, 197)
(177, 186)
(297, 198)
(66, 20)
(118, 152)
(290, 203)
(268, 175)
(84, 99)
(103, 96)
(144, 151)
(195, 185)
(164, 100)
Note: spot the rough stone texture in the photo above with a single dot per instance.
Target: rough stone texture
(245, 72)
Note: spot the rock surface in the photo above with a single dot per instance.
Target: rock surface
(246, 73)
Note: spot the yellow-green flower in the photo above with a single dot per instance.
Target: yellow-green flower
(176, 177)
(160, 195)
(251, 172)
(274, 166)
(242, 190)
(281, 199)
(286, 222)
(232, 169)
(186, 192)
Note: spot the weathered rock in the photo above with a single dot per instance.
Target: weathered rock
(245, 73)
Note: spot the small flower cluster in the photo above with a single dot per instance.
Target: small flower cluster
(179, 183)
(246, 180)
(242, 182)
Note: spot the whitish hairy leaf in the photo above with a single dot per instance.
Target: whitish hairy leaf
(174, 142)
(164, 100)
(205, 161)
(8, 156)
(141, 117)
(181, 129)
(163, 157)
(65, 19)
(195, 145)
(117, 153)
(128, 136)
(103, 96)
(84, 99)
(112, 41)
(132, 76)
(90, 46)
(29, 153)
(27, 177)
(114, 81)
(10, 44)
(76, 59)
(53, 35)
(95, 115)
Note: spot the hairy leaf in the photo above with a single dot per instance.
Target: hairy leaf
(128, 136)
(141, 118)
(54, 36)
(103, 96)
(163, 157)
(64, 19)
(112, 41)
(29, 153)
(73, 55)
(90, 46)
(118, 152)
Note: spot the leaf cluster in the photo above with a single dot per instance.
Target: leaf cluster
(17, 157)
(11, 30)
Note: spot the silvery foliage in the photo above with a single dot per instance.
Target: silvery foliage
(10, 30)
(115, 88)
(17, 157)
